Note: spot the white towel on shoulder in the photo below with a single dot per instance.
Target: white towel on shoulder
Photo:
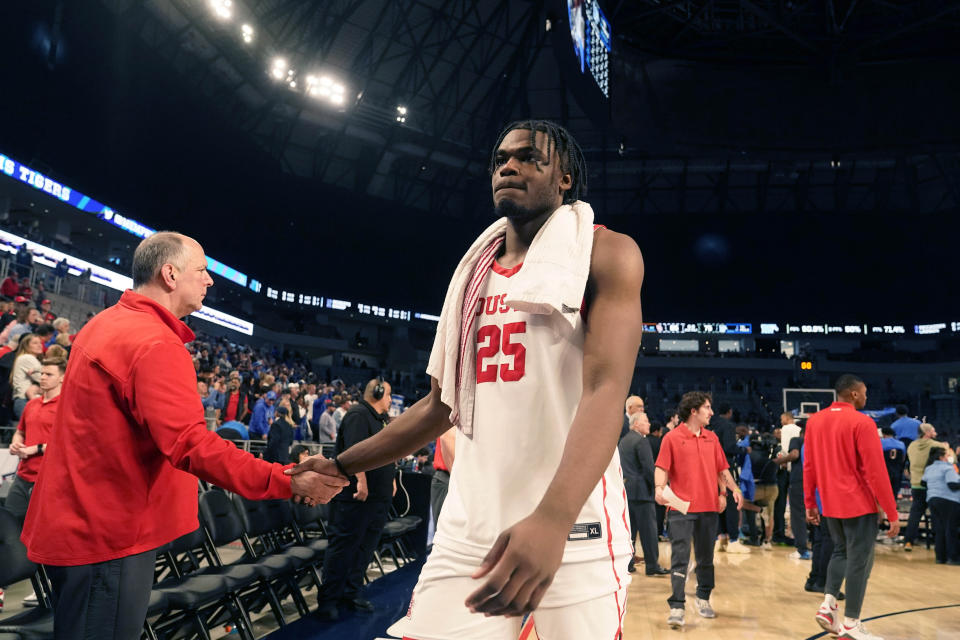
(553, 279)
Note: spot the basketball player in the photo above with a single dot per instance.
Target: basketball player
(535, 519)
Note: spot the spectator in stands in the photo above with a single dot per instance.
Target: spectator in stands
(895, 456)
(25, 372)
(24, 260)
(235, 402)
(917, 454)
(342, 404)
(10, 288)
(905, 427)
(294, 391)
(45, 333)
(327, 425)
(40, 293)
(262, 416)
(309, 397)
(692, 461)
(299, 453)
(46, 315)
(61, 270)
(280, 438)
(943, 496)
(358, 513)
(7, 313)
(26, 291)
(61, 326)
(98, 513)
(210, 408)
(26, 319)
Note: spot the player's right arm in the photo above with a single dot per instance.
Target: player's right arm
(422, 423)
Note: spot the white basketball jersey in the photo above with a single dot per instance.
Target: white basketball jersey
(529, 371)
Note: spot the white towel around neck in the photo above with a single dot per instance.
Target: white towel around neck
(553, 280)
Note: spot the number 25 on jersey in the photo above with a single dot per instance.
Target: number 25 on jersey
(491, 340)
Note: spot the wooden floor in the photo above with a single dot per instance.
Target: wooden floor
(760, 596)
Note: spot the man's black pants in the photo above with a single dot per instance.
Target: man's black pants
(780, 505)
(798, 517)
(102, 601)
(730, 518)
(946, 518)
(822, 550)
(701, 530)
(643, 520)
(354, 533)
(918, 507)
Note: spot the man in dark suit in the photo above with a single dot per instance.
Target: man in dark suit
(636, 460)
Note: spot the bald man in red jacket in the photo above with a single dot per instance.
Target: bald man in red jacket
(127, 445)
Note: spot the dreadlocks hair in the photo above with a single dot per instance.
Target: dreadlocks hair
(559, 140)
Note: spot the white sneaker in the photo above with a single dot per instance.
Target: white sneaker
(828, 619)
(796, 555)
(766, 546)
(856, 632)
(31, 600)
(737, 547)
(675, 619)
(704, 609)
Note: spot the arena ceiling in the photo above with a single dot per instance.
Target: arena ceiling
(463, 68)
(738, 132)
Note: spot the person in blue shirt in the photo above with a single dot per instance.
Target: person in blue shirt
(894, 456)
(905, 427)
(262, 416)
(943, 496)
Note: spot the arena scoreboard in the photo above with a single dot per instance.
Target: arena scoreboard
(590, 31)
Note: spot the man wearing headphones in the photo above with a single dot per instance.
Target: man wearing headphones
(358, 513)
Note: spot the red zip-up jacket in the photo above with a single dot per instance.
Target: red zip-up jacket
(843, 458)
(127, 444)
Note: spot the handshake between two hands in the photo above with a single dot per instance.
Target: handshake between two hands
(316, 480)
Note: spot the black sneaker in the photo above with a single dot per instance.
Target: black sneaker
(359, 604)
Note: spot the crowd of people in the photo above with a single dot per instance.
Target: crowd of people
(822, 481)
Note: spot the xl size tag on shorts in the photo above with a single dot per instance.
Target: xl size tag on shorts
(585, 531)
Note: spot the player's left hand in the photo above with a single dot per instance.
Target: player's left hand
(519, 567)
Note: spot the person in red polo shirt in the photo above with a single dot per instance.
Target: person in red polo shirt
(692, 461)
(843, 462)
(127, 445)
(33, 430)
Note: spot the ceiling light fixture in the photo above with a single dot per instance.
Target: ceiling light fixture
(223, 9)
